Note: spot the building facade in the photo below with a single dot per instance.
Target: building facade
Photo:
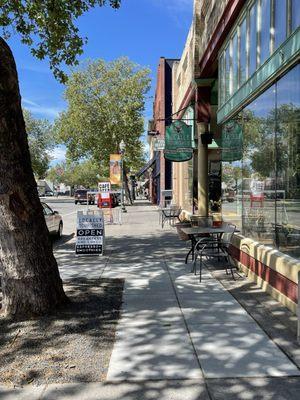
(161, 179)
(239, 79)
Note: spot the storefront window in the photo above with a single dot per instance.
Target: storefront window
(259, 168)
(227, 73)
(235, 69)
(243, 52)
(252, 39)
(264, 28)
(288, 163)
(280, 19)
(261, 190)
(222, 80)
(295, 9)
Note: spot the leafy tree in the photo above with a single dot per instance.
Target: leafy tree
(105, 105)
(86, 173)
(57, 174)
(48, 27)
(40, 139)
(30, 279)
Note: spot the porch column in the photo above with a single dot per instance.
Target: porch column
(202, 171)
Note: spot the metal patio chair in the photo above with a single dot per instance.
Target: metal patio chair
(170, 214)
(201, 221)
(209, 249)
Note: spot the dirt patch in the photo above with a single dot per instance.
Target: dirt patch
(72, 345)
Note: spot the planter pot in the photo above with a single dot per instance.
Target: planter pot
(182, 235)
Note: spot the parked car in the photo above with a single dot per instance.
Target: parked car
(54, 221)
(82, 196)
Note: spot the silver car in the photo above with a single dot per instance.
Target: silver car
(53, 220)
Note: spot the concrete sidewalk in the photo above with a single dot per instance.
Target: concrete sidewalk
(174, 327)
(177, 338)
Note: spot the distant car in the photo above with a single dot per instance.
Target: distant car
(49, 193)
(54, 221)
(82, 196)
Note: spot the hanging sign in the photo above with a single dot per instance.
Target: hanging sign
(178, 142)
(158, 144)
(232, 141)
(90, 232)
(115, 169)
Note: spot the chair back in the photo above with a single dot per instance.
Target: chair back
(198, 220)
(175, 211)
(227, 236)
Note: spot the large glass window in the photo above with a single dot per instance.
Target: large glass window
(259, 168)
(252, 39)
(235, 68)
(264, 28)
(222, 80)
(227, 73)
(243, 52)
(288, 163)
(295, 10)
(261, 187)
(280, 19)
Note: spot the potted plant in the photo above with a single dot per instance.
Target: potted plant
(185, 223)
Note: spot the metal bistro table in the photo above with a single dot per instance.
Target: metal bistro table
(201, 231)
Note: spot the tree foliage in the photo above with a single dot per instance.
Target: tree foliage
(40, 140)
(86, 174)
(48, 27)
(105, 105)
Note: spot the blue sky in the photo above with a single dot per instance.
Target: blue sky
(143, 30)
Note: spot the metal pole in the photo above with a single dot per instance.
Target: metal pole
(123, 209)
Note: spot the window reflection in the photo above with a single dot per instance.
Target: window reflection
(265, 24)
(227, 73)
(235, 69)
(243, 53)
(280, 19)
(222, 80)
(264, 181)
(288, 162)
(295, 9)
(252, 39)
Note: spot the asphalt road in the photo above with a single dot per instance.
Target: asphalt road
(68, 210)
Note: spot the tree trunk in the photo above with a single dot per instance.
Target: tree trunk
(31, 284)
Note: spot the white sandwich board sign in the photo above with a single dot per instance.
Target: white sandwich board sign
(90, 232)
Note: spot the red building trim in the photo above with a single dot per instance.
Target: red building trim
(188, 97)
(272, 277)
(207, 63)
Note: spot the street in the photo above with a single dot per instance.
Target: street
(68, 210)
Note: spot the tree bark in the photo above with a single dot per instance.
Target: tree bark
(31, 284)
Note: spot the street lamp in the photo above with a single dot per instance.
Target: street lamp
(122, 147)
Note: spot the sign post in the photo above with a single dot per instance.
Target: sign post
(90, 233)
